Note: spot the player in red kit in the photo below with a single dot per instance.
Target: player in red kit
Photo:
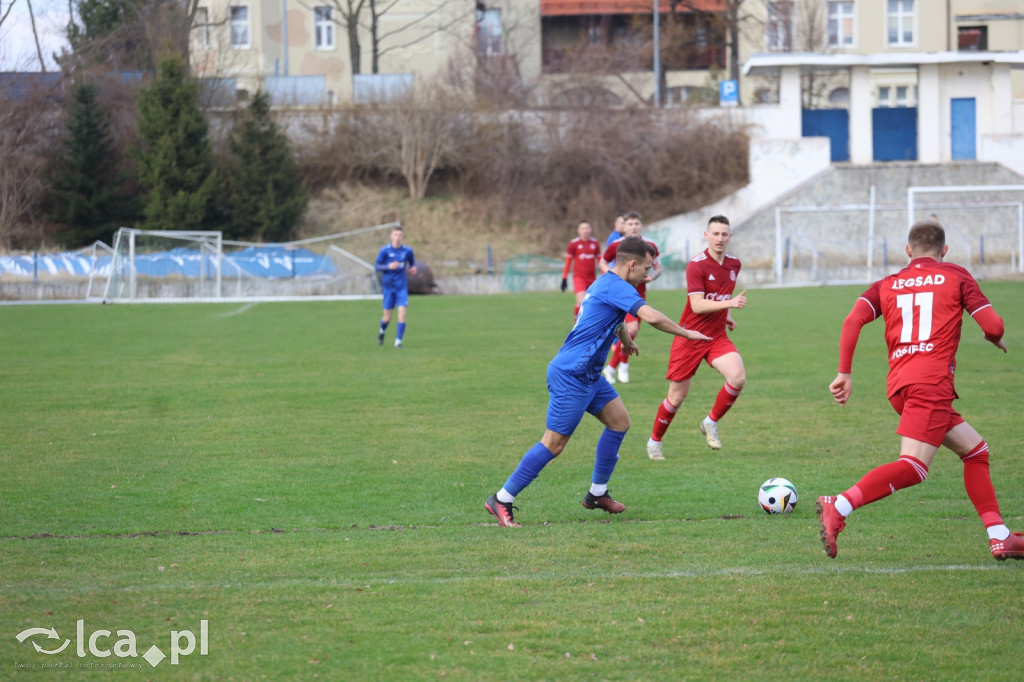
(710, 282)
(923, 307)
(581, 256)
(618, 361)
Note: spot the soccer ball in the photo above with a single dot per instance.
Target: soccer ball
(777, 496)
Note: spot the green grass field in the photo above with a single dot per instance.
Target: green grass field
(318, 501)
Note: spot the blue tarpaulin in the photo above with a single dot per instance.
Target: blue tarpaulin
(271, 262)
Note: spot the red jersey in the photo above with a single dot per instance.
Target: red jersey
(714, 282)
(581, 255)
(613, 250)
(922, 306)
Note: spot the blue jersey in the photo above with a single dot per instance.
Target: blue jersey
(394, 279)
(612, 237)
(603, 309)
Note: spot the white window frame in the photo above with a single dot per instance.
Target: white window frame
(883, 96)
(904, 20)
(902, 92)
(202, 28)
(235, 25)
(323, 28)
(838, 12)
(779, 26)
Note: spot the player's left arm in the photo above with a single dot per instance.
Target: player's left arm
(991, 325)
(410, 258)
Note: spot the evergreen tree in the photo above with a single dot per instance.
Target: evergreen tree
(265, 198)
(85, 183)
(175, 162)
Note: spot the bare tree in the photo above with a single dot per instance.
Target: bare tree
(28, 128)
(35, 36)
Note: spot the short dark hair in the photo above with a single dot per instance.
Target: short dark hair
(926, 236)
(633, 248)
(718, 219)
(630, 215)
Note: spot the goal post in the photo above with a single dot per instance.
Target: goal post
(199, 255)
(201, 266)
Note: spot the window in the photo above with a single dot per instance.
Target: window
(839, 96)
(883, 97)
(972, 38)
(779, 29)
(901, 22)
(901, 96)
(840, 24)
(239, 26)
(201, 29)
(323, 28)
(489, 40)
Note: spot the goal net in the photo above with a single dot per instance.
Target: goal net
(173, 265)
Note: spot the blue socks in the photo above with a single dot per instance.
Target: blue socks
(401, 330)
(535, 459)
(607, 455)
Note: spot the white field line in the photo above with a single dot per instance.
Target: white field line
(341, 583)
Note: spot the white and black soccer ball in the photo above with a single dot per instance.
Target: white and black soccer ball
(777, 496)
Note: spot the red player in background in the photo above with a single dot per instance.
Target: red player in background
(619, 359)
(581, 257)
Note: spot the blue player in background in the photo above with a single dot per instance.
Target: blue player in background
(393, 261)
(576, 385)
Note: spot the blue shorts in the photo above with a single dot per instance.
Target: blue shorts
(396, 297)
(570, 398)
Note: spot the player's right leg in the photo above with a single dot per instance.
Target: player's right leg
(567, 403)
(677, 391)
(390, 297)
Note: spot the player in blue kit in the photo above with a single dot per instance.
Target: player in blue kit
(393, 261)
(576, 386)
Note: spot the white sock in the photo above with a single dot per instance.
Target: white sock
(998, 532)
(709, 420)
(505, 496)
(843, 506)
(598, 489)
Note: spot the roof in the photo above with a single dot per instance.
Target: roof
(553, 8)
(768, 64)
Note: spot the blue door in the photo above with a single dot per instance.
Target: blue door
(963, 129)
(831, 123)
(894, 134)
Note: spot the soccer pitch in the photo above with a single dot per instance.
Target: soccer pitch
(266, 484)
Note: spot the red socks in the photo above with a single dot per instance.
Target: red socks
(665, 414)
(884, 480)
(726, 397)
(978, 484)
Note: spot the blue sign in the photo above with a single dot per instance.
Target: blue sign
(728, 93)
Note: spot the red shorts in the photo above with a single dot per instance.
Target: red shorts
(581, 283)
(687, 354)
(926, 411)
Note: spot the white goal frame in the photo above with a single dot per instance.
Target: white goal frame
(122, 283)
